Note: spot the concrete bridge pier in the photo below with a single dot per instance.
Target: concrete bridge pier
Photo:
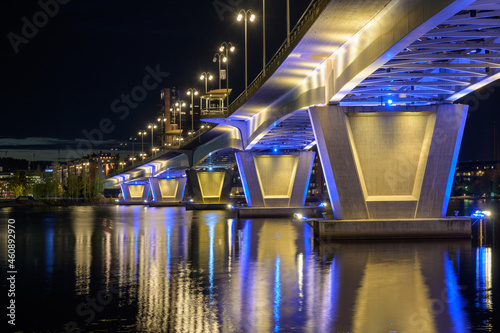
(167, 191)
(275, 183)
(136, 192)
(383, 164)
(209, 189)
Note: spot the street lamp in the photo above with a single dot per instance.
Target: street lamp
(142, 133)
(244, 14)
(133, 144)
(193, 92)
(227, 47)
(162, 120)
(179, 105)
(206, 76)
(220, 57)
(152, 126)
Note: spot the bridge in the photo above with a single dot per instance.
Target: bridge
(371, 85)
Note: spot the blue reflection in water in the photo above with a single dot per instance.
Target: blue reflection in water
(211, 235)
(136, 212)
(307, 239)
(49, 248)
(483, 279)
(245, 249)
(277, 295)
(330, 301)
(169, 251)
(454, 298)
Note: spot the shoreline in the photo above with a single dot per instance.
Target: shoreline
(53, 203)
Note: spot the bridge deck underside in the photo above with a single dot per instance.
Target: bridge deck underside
(456, 57)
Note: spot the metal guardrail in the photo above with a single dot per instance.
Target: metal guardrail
(305, 22)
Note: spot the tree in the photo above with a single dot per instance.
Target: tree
(18, 184)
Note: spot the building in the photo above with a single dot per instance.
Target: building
(477, 178)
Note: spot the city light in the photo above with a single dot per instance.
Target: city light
(299, 216)
(481, 213)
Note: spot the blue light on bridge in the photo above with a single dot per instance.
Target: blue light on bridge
(275, 150)
(481, 213)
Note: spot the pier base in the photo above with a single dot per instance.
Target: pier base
(452, 227)
(277, 211)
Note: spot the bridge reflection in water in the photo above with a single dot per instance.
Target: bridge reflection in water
(174, 270)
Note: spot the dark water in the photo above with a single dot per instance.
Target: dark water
(126, 269)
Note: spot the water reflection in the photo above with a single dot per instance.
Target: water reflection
(83, 228)
(171, 270)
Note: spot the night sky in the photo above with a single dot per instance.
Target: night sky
(65, 77)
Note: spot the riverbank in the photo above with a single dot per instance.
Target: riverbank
(53, 203)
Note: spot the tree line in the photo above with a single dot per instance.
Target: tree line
(81, 186)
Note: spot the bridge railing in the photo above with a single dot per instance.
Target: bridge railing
(137, 164)
(304, 23)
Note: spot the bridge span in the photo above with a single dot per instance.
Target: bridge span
(371, 86)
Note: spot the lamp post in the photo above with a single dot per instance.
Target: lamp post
(162, 121)
(263, 38)
(142, 133)
(288, 23)
(133, 144)
(193, 92)
(152, 126)
(220, 57)
(244, 14)
(179, 104)
(227, 47)
(206, 76)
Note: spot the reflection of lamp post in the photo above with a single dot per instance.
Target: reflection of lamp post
(228, 47)
(206, 76)
(244, 14)
(142, 133)
(152, 126)
(193, 92)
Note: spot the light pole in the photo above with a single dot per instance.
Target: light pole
(179, 105)
(227, 47)
(220, 57)
(152, 126)
(133, 144)
(288, 23)
(162, 121)
(244, 14)
(193, 92)
(142, 133)
(263, 38)
(206, 76)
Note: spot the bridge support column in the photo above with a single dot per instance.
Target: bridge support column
(209, 187)
(275, 180)
(389, 162)
(167, 189)
(135, 192)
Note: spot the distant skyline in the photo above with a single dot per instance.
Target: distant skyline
(67, 64)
